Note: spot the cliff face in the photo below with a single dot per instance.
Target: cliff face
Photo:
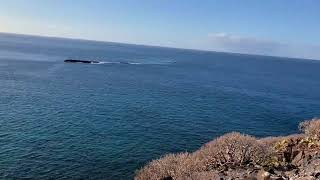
(238, 156)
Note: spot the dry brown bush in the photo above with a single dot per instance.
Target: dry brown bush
(207, 175)
(311, 127)
(172, 166)
(272, 141)
(230, 150)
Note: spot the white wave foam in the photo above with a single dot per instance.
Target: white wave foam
(108, 62)
(134, 63)
(119, 62)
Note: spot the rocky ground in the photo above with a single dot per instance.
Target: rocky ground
(237, 156)
(304, 166)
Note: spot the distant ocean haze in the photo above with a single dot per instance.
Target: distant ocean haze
(104, 121)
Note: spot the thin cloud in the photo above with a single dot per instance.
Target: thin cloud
(250, 45)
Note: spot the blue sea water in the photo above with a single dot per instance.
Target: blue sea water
(104, 121)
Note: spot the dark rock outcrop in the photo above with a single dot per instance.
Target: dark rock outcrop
(80, 61)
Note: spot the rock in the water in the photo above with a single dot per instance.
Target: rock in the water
(80, 61)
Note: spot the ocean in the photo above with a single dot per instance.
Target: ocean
(104, 121)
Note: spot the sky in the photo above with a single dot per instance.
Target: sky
(288, 28)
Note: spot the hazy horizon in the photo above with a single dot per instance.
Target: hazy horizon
(273, 28)
(147, 45)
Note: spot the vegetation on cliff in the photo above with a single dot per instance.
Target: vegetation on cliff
(239, 156)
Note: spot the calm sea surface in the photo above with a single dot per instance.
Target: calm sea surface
(104, 121)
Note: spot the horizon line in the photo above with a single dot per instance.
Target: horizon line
(154, 46)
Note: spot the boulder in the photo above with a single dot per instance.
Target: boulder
(263, 175)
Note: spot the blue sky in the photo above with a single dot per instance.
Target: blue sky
(273, 27)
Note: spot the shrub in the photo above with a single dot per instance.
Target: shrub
(172, 166)
(281, 144)
(207, 175)
(230, 150)
(311, 128)
(273, 141)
